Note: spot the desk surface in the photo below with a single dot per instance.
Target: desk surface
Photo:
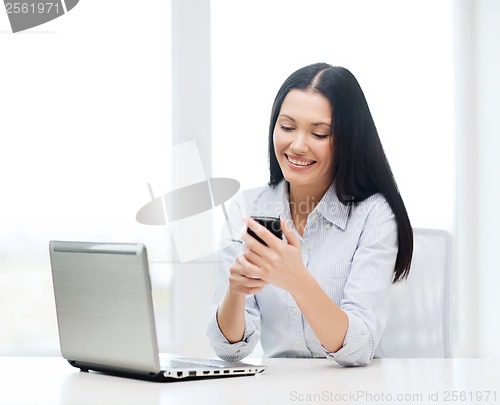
(51, 380)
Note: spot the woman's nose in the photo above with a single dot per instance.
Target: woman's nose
(299, 144)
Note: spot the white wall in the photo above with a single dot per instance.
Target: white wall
(477, 223)
(487, 135)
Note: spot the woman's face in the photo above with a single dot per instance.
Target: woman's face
(302, 140)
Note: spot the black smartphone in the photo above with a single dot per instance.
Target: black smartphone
(271, 223)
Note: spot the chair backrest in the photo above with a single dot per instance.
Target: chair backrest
(419, 323)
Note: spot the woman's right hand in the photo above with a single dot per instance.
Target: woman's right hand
(240, 282)
(231, 312)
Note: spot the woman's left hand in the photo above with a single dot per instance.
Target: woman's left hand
(279, 263)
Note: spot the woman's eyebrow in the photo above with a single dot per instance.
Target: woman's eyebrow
(315, 124)
(286, 116)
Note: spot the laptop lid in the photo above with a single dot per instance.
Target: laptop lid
(104, 304)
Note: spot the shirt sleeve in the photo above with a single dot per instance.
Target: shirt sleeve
(239, 350)
(365, 298)
(231, 246)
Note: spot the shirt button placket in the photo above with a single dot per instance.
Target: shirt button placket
(296, 327)
(305, 253)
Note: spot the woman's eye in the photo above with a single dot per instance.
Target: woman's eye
(321, 136)
(286, 128)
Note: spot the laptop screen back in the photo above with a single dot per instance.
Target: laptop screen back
(104, 305)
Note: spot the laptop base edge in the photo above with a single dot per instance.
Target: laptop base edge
(146, 376)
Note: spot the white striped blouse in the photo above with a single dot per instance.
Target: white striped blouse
(349, 249)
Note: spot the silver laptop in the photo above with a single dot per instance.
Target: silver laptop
(105, 315)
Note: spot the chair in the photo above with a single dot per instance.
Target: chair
(419, 323)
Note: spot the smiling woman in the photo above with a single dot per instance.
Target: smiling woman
(407, 73)
(325, 158)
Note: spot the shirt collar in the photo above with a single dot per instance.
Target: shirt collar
(329, 207)
(332, 209)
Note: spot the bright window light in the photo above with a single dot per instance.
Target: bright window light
(86, 124)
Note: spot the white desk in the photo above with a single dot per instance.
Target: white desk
(51, 380)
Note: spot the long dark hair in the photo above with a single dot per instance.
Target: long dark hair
(361, 167)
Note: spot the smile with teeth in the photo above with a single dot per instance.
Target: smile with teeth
(300, 162)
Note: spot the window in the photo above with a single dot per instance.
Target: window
(85, 126)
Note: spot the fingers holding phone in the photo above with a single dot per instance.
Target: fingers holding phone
(242, 279)
(272, 224)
